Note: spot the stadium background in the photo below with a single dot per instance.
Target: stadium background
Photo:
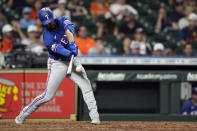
(140, 65)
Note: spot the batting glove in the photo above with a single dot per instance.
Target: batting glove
(73, 48)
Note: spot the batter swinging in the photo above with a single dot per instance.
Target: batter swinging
(59, 40)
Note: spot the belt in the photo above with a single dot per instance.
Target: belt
(64, 59)
(61, 59)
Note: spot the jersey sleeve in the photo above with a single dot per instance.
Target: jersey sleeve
(68, 25)
(186, 109)
(55, 46)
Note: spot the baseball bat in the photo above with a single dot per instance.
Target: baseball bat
(70, 66)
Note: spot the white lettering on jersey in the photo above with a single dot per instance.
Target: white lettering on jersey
(63, 40)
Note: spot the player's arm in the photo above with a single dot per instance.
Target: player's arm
(69, 32)
(58, 48)
(55, 46)
(72, 46)
(69, 35)
(186, 109)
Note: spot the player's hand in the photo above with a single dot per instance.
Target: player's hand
(75, 52)
(72, 45)
(73, 48)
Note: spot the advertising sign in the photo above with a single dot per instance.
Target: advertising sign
(10, 94)
(19, 89)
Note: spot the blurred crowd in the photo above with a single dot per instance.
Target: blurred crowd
(103, 27)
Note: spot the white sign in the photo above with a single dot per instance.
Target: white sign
(121, 60)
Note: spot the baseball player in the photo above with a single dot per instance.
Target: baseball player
(59, 40)
(190, 108)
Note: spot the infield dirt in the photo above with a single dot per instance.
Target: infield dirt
(105, 126)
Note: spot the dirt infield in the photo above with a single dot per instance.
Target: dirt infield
(105, 126)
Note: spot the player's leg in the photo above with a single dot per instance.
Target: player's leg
(56, 74)
(81, 79)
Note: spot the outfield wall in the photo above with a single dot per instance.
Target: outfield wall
(149, 89)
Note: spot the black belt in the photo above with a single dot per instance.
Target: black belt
(62, 59)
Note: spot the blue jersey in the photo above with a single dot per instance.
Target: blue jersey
(189, 109)
(189, 35)
(53, 39)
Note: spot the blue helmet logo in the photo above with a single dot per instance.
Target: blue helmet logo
(46, 16)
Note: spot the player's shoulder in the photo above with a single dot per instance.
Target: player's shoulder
(188, 104)
(46, 33)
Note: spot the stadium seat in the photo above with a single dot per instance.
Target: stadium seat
(172, 38)
(39, 61)
(114, 47)
(90, 24)
(179, 50)
(109, 38)
(10, 14)
(87, 21)
(194, 45)
(22, 59)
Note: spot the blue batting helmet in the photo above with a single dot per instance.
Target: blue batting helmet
(46, 16)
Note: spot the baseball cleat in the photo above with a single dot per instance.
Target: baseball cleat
(96, 121)
(19, 120)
